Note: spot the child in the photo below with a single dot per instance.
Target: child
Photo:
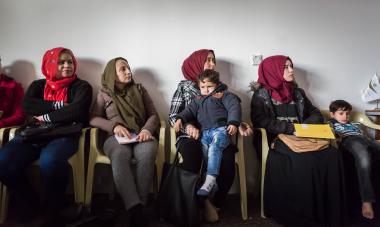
(219, 114)
(361, 147)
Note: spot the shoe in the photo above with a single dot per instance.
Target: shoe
(207, 187)
(137, 218)
(210, 213)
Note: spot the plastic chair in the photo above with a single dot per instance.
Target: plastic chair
(77, 164)
(97, 156)
(3, 135)
(354, 117)
(239, 162)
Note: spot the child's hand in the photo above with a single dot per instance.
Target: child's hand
(231, 129)
(177, 125)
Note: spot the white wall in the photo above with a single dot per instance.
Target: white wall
(333, 43)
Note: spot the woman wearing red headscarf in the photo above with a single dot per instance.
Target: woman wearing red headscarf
(11, 94)
(188, 142)
(301, 189)
(59, 98)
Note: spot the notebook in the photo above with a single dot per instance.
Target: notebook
(125, 140)
(314, 131)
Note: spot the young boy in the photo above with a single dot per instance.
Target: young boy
(351, 138)
(218, 112)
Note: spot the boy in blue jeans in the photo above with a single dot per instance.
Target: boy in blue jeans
(362, 148)
(218, 112)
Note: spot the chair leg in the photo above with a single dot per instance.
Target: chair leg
(243, 185)
(4, 204)
(264, 156)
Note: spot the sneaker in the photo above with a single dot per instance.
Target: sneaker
(207, 187)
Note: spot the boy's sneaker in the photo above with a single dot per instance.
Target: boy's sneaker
(207, 186)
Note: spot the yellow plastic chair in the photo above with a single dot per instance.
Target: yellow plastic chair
(97, 156)
(77, 164)
(239, 162)
(354, 117)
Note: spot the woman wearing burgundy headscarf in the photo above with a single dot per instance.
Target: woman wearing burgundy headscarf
(11, 94)
(59, 98)
(301, 189)
(188, 138)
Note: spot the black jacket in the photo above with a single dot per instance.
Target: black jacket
(79, 100)
(263, 115)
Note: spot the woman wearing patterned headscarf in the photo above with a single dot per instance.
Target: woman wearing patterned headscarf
(59, 98)
(187, 139)
(301, 189)
(124, 108)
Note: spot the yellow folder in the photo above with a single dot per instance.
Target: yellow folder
(314, 131)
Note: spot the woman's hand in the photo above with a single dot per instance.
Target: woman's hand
(121, 131)
(192, 131)
(144, 135)
(177, 125)
(38, 118)
(231, 129)
(245, 129)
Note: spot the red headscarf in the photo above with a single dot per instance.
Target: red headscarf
(56, 89)
(271, 76)
(194, 64)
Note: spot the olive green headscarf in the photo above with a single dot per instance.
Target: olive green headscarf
(128, 99)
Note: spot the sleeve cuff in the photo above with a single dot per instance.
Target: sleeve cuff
(58, 105)
(236, 123)
(46, 118)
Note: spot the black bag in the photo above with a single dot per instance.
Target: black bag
(41, 131)
(177, 201)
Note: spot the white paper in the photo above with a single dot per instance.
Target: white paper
(125, 140)
(372, 91)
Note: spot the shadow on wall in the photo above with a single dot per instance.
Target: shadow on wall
(150, 81)
(227, 76)
(22, 71)
(90, 70)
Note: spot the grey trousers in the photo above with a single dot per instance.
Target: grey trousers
(141, 156)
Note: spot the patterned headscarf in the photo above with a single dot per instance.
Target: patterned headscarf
(194, 64)
(271, 76)
(56, 89)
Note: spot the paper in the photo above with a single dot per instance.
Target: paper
(372, 91)
(314, 131)
(125, 140)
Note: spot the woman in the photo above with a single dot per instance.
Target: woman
(188, 138)
(59, 98)
(301, 189)
(11, 95)
(124, 108)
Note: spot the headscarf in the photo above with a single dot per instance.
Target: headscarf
(56, 89)
(129, 100)
(194, 64)
(271, 77)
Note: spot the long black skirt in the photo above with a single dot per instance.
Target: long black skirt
(305, 189)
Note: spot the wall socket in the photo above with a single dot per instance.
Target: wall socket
(256, 59)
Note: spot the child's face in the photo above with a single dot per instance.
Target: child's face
(207, 87)
(342, 116)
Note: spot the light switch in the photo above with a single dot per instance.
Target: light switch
(256, 59)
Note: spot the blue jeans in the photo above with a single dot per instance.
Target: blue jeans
(17, 155)
(363, 150)
(214, 141)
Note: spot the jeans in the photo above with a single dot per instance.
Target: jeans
(363, 150)
(214, 141)
(17, 155)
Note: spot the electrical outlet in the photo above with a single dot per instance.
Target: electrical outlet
(256, 59)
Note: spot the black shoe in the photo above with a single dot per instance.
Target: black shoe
(137, 217)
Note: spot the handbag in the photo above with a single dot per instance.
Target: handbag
(41, 131)
(302, 144)
(177, 201)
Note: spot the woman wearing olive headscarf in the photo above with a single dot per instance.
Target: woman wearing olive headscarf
(124, 108)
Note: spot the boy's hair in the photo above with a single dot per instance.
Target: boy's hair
(211, 75)
(339, 105)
